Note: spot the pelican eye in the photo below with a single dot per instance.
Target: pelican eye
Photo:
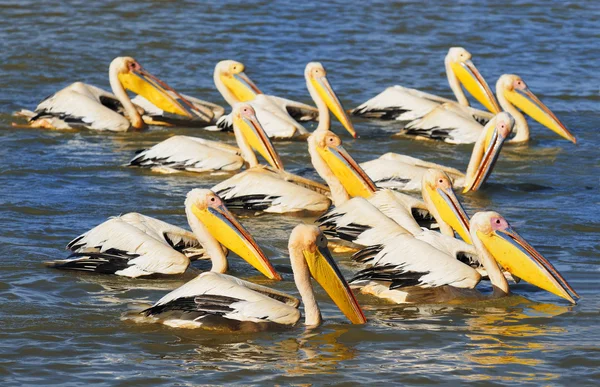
(213, 199)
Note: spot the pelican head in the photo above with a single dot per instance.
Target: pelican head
(320, 90)
(132, 76)
(515, 91)
(458, 62)
(308, 247)
(329, 148)
(233, 83)
(438, 194)
(492, 233)
(209, 209)
(244, 119)
(487, 149)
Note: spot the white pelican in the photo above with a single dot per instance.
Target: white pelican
(126, 248)
(405, 173)
(404, 104)
(408, 271)
(81, 105)
(278, 116)
(453, 126)
(262, 189)
(218, 301)
(193, 154)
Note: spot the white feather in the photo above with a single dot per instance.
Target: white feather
(190, 154)
(254, 306)
(260, 181)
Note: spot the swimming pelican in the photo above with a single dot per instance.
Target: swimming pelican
(404, 104)
(193, 154)
(81, 105)
(263, 189)
(407, 271)
(446, 123)
(121, 247)
(405, 173)
(278, 115)
(218, 300)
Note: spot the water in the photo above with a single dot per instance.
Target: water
(63, 328)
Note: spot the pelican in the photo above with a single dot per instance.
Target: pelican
(279, 116)
(263, 189)
(404, 104)
(448, 124)
(219, 300)
(85, 106)
(407, 271)
(405, 173)
(193, 154)
(123, 248)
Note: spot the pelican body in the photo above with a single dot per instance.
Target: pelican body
(219, 300)
(404, 104)
(135, 245)
(80, 105)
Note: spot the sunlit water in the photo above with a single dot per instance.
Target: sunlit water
(61, 327)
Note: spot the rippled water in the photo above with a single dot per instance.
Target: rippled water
(61, 327)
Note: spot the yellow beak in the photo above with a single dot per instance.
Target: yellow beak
(223, 226)
(473, 82)
(518, 257)
(484, 158)
(241, 86)
(531, 105)
(258, 139)
(325, 271)
(451, 211)
(327, 94)
(354, 179)
(154, 90)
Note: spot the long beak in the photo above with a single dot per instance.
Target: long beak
(518, 257)
(325, 271)
(469, 76)
(451, 211)
(327, 94)
(258, 139)
(482, 162)
(155, 91)
(531, 105)
(354, 179)
(242, 87)
(223, 226)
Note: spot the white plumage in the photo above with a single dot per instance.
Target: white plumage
(189, 154)
(262, 189)
(401, 172)
(132, 245)
(213, 294)
(447, 122)
(274, 118)
(79, 105)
